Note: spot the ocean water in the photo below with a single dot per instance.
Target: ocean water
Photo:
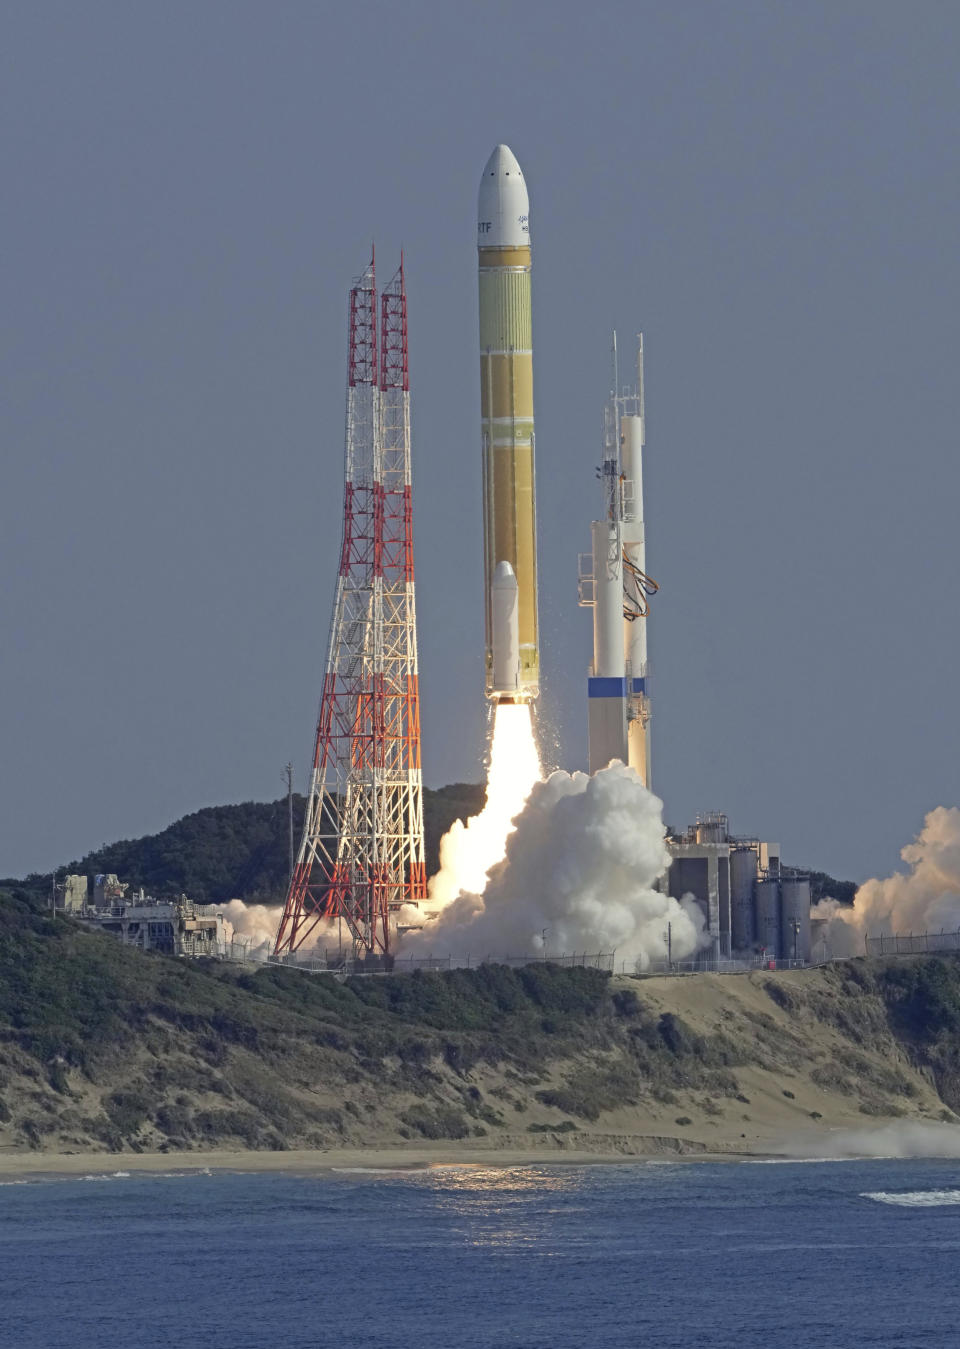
(840, 1255)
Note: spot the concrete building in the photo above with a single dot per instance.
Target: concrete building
(751, 905)
(71, 894)
(177, 927)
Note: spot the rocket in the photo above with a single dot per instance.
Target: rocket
(506, 411)
(613, 582)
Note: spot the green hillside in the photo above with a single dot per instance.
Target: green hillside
(104, 1048)
(240, 852)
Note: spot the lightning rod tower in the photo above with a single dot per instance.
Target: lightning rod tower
(361, 855)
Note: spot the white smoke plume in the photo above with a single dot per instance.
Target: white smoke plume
(906, 1138)
(256, 924)
(924, 899)
(578, 875)
(468, 851)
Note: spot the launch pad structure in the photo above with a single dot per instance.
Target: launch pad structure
(361, 856)
(613, 582)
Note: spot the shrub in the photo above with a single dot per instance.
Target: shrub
(174, 1120)
(214, 1124)
(443, 1121)
(102, 1128)
(873, 1107)
(676, 1034)
(784, 997)
(590, 1091)
(626, 1003)
(127, 1110)
(57, 1077)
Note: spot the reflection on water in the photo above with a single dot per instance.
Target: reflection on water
(490, 1207)
(505, 1179)
(479, 1257)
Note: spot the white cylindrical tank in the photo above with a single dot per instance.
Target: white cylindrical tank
(635, 633)
(631, 464)
(608, 601)
(606, 700)
(743, 878)
(634, 541)
(505, 631)
(768, 917)
(795, 917)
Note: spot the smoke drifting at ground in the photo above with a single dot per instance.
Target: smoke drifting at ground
(255, 924)
(925, 899)
(578, 875)
(906, 1138)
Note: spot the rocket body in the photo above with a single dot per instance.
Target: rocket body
(506, 411)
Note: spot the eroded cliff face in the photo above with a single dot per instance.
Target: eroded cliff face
(105, 1049)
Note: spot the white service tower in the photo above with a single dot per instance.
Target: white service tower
(614, 583)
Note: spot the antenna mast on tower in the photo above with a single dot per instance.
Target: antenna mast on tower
(361, 856)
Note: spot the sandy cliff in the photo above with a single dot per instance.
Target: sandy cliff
(105, 1050)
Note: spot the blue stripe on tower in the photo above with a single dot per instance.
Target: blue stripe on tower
(606, 686)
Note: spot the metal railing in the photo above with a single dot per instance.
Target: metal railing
(911, 943)
(731, 966)
(333, 963)
(341, 964)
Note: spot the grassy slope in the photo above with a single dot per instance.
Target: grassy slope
(105, 1048)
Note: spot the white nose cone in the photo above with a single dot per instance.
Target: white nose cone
(503, 207)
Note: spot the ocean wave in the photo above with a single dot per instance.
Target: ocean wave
(915, 1198)
(66, 1178)
(791, 1161)
(379, 1170)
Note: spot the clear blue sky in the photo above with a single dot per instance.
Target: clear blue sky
(769, 190)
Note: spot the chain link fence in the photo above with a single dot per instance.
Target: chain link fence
(912, 943)
(731, 966)
(333, 963)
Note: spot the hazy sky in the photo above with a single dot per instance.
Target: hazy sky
(769, 190)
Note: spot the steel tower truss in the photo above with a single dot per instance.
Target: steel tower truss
(361, 856)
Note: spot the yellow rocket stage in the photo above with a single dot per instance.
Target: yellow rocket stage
(506, 408)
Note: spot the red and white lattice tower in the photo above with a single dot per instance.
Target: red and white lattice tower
(361, 856)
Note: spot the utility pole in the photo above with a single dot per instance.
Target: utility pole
(288, 773)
